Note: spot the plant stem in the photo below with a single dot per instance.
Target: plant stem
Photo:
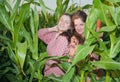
(38, 75)
(82, 76)
(107, 77)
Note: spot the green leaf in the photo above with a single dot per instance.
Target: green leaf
(11, 54)
(59, 9)
(90, 24)
(105, 52)
(65, 5)
(107, 64)
(8, 5)
(82, 52)
(108, 28)
(38, 65)
(64, 65)
(14, 11)
(116, 49)
(32, 28)
(28, 38)
(67, 77)
(115, 13)
(43, 7)
(24, 13)
(53, 78)
(102, 11)
(4, 18)
(36, 19)
(114, 1)
(21, 51)
(113, 41)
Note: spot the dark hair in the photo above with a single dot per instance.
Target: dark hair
(79, 14)
(68, 34)
(79, 37)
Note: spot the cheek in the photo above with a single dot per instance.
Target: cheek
(76, 27)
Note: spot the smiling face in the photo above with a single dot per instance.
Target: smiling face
(64, 23)
(79, 25)
(79, 19)
(74, 41)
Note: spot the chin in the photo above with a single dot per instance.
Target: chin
(80, 32)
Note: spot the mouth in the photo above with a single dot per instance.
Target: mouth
(79, 31)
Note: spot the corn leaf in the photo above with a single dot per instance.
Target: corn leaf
(21, 51)
(81, 53)
(107, 64)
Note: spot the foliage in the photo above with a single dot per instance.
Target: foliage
(23, 56)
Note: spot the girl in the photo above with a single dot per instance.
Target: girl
(75, 40)
(57, 40)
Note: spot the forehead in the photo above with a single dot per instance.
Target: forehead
(65, 17)
(73, 37)
(78, 20)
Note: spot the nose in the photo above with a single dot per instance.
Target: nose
(63, 22)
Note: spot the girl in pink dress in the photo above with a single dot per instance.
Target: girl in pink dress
(57, 40)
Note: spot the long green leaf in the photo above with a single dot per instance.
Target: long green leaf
(114, 12)
(116, 49)
(81, 53)
(105, 52)
(114, 1)
(108, 28)
(58, 11)
(67, 77)
(107, 64)
(102, 9)
(43, 7)
(36, 19)
(14, 11)
(4, 18)
(113, 40)
(90, 24)
(65, 5)
(11, 54)
(21, 51)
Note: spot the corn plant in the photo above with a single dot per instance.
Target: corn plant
(19, 42)
(23, 56)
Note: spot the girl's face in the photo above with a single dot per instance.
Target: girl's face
(64, 23)
(79, 26)
(73, 45)
(74, 41)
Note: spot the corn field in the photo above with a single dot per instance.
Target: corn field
(23, 55)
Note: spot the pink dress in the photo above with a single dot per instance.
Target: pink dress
(56, 46)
